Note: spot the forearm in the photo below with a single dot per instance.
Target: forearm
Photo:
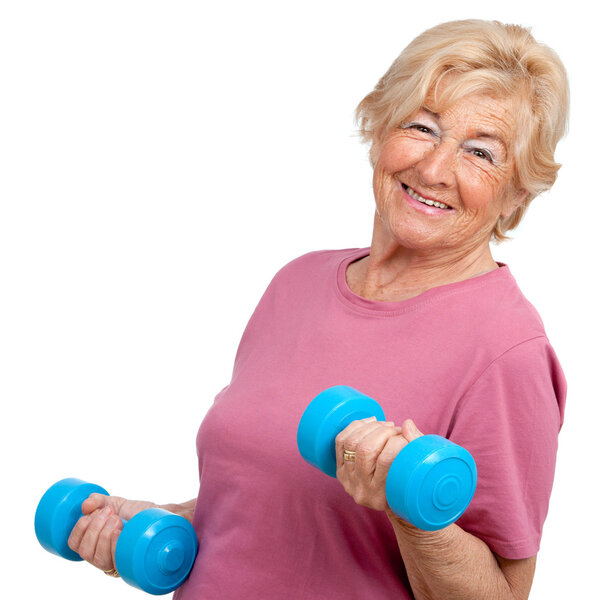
(185, 509)
(450, 564)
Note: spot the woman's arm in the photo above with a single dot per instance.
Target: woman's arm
(452, 564)
(441, 565)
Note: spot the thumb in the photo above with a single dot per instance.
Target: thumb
(96, 501)
(410, 431)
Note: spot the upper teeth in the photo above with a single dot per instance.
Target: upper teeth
(416, 196)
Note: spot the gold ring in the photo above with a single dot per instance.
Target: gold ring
(349, 455)
(112, 573)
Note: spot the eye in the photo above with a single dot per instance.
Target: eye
(418, 127)
(421, 128)
(482, 154)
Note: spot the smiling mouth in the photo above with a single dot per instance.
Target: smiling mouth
(415, 196)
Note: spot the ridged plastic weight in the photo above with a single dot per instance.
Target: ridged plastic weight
(430, 483)
(155, 550)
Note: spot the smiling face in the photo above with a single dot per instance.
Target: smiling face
(441, 181)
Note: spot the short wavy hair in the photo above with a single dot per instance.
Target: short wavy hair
(484, 57)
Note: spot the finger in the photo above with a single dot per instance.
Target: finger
(342, 437)
(390, 451)
(113, 542)
(354, 440)
(354, 426)
(93, 502)
(410, 431)
(103, 557)
(87, 547)
(78, 532)
(370, 446)
(355, 437)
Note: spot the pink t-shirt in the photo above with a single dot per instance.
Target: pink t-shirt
(469, 361)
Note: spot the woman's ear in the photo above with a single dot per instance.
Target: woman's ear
(375, 148)
(513, 201)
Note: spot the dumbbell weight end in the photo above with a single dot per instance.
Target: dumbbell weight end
(57, 513)
(431, 482)
(156, 551)
(328, 414)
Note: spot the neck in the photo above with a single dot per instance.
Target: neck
(393, 272)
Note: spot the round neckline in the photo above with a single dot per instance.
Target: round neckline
(385, 308)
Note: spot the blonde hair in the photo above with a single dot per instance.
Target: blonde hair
(484, 57)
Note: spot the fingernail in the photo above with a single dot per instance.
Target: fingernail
(106, 511)
(389, 423)
(371, 419)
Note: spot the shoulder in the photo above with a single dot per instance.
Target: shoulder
(297, 280)
(314, 265)
(531, 363)
(523, 387)
(497, 313)
(319, 257)
(498, 342)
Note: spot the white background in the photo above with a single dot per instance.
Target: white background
(159, 162)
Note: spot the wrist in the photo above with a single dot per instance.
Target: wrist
(400, 525)
(441, 538)
(185, 510)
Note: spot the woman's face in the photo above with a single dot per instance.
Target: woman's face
(460, 158)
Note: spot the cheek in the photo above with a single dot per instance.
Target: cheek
(394, 158)
(400, 154)
(481, 191)
(383, 187)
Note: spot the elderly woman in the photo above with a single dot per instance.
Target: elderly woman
(462, 132)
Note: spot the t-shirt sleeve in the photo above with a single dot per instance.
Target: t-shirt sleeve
(509, 420)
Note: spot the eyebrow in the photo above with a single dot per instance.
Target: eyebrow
(491, 136)
(432, 113)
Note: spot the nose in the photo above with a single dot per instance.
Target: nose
(437, 166)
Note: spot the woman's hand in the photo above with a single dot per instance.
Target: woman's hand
(376, 445)
(95, 535)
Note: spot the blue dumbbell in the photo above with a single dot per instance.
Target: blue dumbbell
(431, 481)
(155, 550)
